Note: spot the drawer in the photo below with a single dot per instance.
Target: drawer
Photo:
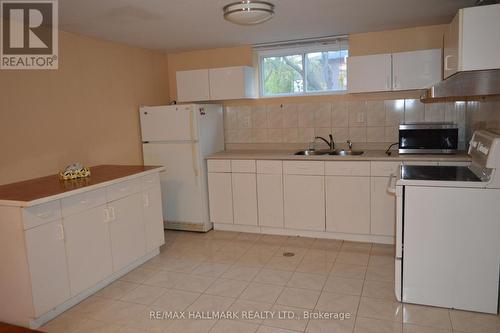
(150, 180)
(347, 168)
(384, 169)
(304, 168)
(243, 166)
(41, 214)
(219, 165)
(123, 189)
(84, 201)
(270, 167)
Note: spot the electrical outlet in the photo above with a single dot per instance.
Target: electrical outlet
(246, 122)
(361, 117)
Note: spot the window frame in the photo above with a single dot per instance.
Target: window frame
(337, 45)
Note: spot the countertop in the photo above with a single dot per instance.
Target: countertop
(34, 191)
(368, 155)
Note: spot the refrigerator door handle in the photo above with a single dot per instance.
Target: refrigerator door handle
(399, 222)
(194, 157)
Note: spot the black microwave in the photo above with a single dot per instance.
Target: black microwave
(428, 138)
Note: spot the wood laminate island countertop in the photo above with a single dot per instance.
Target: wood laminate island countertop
(38, 190)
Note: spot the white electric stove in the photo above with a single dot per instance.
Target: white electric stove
(448, 231)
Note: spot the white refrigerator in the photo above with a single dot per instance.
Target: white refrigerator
(179, 137)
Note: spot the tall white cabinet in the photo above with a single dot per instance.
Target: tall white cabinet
(471, 41)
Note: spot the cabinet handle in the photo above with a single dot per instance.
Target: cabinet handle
(44, 215)
(390, 189)
(446, 68)
(106, 215)
(61, 232)
(146, 200)
(395, 81)
(112, 210)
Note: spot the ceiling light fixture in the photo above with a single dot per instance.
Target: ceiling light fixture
(248, 12)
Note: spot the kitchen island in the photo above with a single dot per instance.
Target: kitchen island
(63, 240)
(323, 196)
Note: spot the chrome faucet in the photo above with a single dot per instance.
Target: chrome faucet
(349, 144)
(330, 143)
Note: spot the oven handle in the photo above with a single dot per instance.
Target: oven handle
(390, 188)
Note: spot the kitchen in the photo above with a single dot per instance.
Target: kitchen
(275, 218)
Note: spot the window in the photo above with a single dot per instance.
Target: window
(309, 69)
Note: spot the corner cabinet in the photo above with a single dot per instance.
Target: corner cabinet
(60, 248)
(392, 72)
(216, 84)
(471, 41)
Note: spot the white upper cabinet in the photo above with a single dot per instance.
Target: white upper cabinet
(416, 69)
(193, 85)
(369, 73)
(397, 71)
(472, 41)
(231, 83)
(215, 84)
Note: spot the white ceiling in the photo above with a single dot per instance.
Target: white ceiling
(195, 24)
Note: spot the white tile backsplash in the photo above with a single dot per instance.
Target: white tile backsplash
(374, 121)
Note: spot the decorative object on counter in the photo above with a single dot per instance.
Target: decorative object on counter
(74, 171)
(248, 12)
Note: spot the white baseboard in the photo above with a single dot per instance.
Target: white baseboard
(37, 322)
(305, 233)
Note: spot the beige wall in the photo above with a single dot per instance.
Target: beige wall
(399, 40)
(86, 111)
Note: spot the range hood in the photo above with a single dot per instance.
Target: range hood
(466, 84)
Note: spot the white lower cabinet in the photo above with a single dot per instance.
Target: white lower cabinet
(88, 248)
(270, 200)
(153, 218)
(304, 202)
(383, 208)
(220, 197)
(126, 229)
(348, 204)
(244, 188)
(47, 263)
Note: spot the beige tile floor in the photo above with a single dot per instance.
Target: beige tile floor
(228, 271)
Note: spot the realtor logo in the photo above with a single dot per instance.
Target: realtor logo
(29, 34)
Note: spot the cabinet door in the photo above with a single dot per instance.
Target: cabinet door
(348, 204)
(88, 248)
(416, 69)
(153, 218)
(220, 197)
(450, 47)
(270, 200)
(369, 73)
(127, 231)
(47, 265)
(231, 83)
(383, 208)
(192, 85)
(304, 202)
(244, 198)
